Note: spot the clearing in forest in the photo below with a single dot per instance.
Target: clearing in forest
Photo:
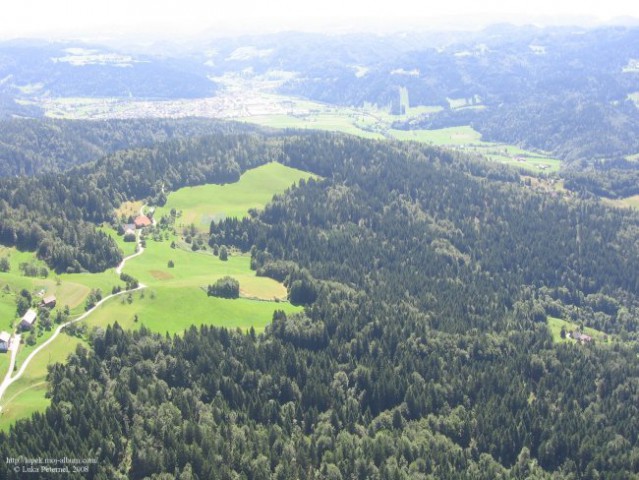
(256, 187)
(556, 324)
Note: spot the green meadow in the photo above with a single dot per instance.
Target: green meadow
(443, 136)
(198, 269)
(627, 202)
(70, 290)
(174, 309)
(27, 394)
(555, 325)
(176, 296)
(469, 140)
(202, 204)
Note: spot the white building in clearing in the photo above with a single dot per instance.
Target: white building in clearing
(5, 341)
(28, 319)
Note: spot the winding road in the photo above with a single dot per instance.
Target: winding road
(9, 379)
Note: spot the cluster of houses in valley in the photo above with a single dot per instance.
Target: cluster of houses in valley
(26, 322)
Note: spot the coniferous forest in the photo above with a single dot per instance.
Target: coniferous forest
(423, 350)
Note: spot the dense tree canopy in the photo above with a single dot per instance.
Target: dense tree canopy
(422, 352)
(225, 287)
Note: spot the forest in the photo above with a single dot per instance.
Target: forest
(30, 146)
(423, 350)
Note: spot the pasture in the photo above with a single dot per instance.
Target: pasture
(176, 295)
(27, 394)
(198, 269)
(555, 325)
(627, 202)
(170, 309)
(202, 204)
(443, 137)
(469, 140)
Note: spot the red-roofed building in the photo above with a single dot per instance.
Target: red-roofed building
(142, 221)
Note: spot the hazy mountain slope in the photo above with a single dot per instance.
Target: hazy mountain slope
(81, 70)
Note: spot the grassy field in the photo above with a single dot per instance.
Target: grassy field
(176, 296)
(174, 309)
(26, 395)
(467, 139)
(195, 270)
(69, 288)
(444, 136)
(555, 325)
(200, 205)
(628, 202)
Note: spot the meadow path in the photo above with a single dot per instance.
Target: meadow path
(15, 346)
(8, 380)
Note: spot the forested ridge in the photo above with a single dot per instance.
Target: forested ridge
(56, 213)
(31, 146)
(423, 350)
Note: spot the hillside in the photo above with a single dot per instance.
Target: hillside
(425, 347)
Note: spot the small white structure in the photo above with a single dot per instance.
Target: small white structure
(29, 319)
(5, 341)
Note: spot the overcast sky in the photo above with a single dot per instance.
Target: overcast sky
(68, 17)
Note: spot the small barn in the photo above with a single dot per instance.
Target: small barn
(48, 302)
(128, 228)
(5, 341)
(28, 319)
